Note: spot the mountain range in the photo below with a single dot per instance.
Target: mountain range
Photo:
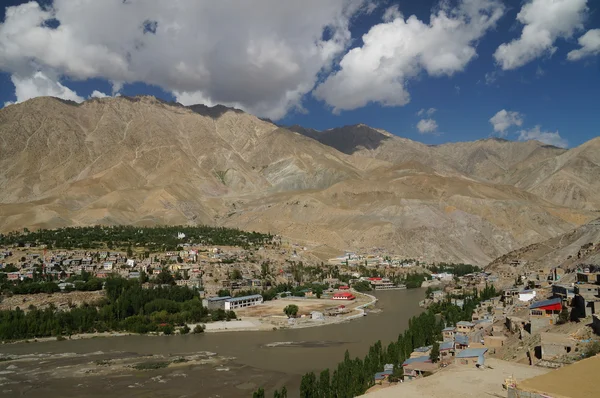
(142, 161)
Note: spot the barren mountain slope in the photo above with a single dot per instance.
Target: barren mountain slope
(138, 160)
(413, 212)
(141, 161)
(570, 179)
(568, 251)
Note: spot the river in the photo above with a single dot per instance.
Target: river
(247, 359)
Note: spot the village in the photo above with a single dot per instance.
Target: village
(544, 319)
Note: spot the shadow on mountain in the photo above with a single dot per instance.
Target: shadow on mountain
(347, 139)
(214, 112)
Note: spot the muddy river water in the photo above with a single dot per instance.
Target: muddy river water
(225, 364)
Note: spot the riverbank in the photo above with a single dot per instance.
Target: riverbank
(271, 318)
(254, 359)
(269, 315)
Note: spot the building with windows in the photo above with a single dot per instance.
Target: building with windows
(243, 302)
(544, 313)
(344, 296)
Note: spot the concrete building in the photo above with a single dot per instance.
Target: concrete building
(471, 357)
(555, 345)
(243, 302)
(214, 303)
(464, 327)
(421, 352)
(446, 351)
(416, 367)
(449, 333)
(565, 292)
(544, 313)
(461, 342)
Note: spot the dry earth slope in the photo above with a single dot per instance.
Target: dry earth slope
(142, 161)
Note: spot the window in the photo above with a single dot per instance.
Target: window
(537, 312)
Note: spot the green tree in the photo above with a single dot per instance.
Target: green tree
(435, 352)
(308, 386)
(291, 310)
(260, 393)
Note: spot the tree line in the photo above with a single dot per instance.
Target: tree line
(354, 377)
(159, 238)
(126, 307)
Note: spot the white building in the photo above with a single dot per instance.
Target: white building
(243, 302)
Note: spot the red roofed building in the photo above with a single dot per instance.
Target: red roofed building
(343, 296)
(375, 279)
(344, 287)
(544, 313)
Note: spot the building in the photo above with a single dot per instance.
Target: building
(464, 327)
(449, 333)
(587, 290)
(243, 302)
(343, 296)
(555, 345)
(421, 352)
(494, 341)
(565, 292)
(416, 367)
(446, 351)
(544, 313)
(587, 277)
(471, 356)
(214, 303)
(461, 342)
(577, 380)
(526, 295)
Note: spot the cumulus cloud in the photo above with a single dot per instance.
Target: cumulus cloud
(544, 21)
(590, 46)
(40, 84)
(397, 50)
(262, 56)
(98, 94)
(427, 126)
(504, 119)
(427, 112)
(546, 137)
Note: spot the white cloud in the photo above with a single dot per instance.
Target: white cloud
(98, 94)
(544, 21)
(262, 56)
(391, 13)
(427, 112)
(505, 119)
(39, 84)
(427, 126)
(546, 137)
(590, 46)
(395, 51)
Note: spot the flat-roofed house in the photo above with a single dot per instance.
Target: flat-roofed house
(471, 356)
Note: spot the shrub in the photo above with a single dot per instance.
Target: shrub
(199, 329)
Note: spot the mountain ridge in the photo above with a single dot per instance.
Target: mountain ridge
(144, 161)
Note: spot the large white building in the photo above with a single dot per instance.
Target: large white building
(242, 302)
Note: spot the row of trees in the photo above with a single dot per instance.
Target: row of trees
(354, 376)
(126, 307)
(159, 238)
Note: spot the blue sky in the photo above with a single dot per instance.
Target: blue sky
(308, 64)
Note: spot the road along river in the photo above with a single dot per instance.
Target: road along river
(225, 364)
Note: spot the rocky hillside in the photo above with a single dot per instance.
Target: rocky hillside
(567, 251)
(142, 161)
(564, 177)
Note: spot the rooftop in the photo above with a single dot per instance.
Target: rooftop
(471, 352)
(252, 297)
(465, 323)
(581, 376)
(545, 303)
(446, 345)
(410, 361)
(461, 339)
